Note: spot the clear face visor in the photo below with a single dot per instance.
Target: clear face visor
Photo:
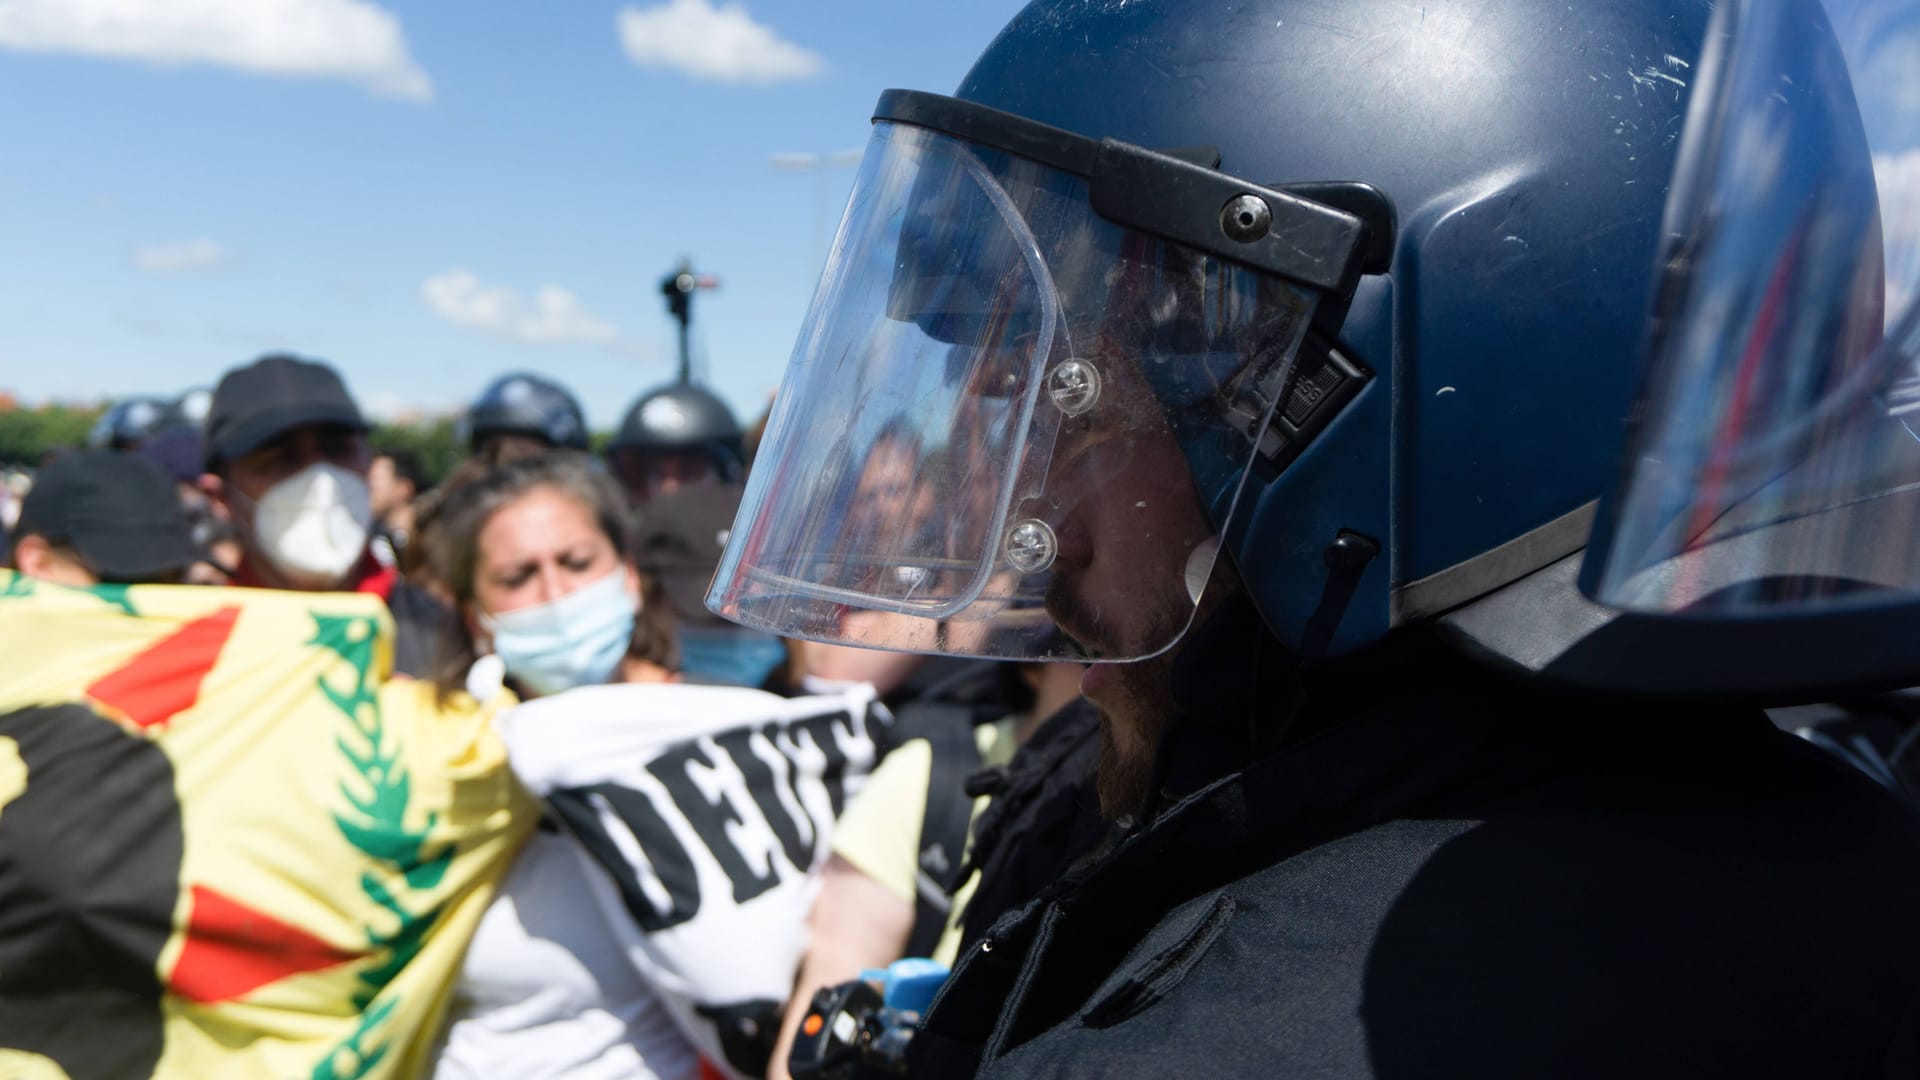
(1010, 427)
(1773, 462)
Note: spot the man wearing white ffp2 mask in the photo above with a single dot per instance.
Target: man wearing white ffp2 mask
(313, 526)
(287, 461)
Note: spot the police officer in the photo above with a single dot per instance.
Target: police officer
(127, 423)
(522, 414)
(1278, 353)
(677, 453)
(189, 409)
(674, 437)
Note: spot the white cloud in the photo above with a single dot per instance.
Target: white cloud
(555, 316)
(180, 258)
(343, 39)
(721, 44)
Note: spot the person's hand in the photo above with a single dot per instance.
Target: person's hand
(886, 670)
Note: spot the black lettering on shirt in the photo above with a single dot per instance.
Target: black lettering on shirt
(709, 819)
(672, 866)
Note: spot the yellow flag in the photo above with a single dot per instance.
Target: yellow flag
(230, 845)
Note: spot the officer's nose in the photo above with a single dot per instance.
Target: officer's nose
(1073, 532)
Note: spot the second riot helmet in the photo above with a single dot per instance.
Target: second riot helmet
(522, 403)
(127, 423)
(679, 421)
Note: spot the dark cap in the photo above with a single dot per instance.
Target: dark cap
(678, 538)
(179, 451)
(119, 512)
(274, 394)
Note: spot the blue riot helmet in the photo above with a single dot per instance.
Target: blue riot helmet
(1353, 293)
(527, 405)
(1764, 534)
(127, 423)
(189, 410)
(675, 436)
(678, 454)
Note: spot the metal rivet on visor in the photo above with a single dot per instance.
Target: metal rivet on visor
(1246, 218)
(1074, 386)
(1031, 546)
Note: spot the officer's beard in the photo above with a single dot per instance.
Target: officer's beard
(1135, 699)
(1132, 720)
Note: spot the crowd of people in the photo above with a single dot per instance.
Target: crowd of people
(1322, 629)
(533, 568)
(272, 480)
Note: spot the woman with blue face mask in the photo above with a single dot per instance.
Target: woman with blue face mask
(534, 552)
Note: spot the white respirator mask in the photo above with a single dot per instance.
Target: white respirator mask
(313, 526)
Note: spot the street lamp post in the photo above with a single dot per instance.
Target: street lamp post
(678, 287)
(819, 165)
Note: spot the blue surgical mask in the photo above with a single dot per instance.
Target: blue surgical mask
(730, 654)
(577, 640)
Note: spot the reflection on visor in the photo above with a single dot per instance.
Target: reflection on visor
(1773, 465)
(1011, 428)
(970, 270)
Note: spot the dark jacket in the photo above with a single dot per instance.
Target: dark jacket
(1878, 734)
(1451, 875)
(419, 622)
(1043, 818)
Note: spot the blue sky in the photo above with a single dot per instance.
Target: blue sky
(428, 194)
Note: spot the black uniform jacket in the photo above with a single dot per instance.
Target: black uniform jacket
(1451, 875)
(1043, 818)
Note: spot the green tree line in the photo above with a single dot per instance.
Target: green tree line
(436, 444)
(29, 435)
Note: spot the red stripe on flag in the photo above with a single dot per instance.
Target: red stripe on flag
(166, 678)
(232, 950)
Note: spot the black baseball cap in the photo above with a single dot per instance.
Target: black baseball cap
(679, 537)
(118, 512)
(274, 394)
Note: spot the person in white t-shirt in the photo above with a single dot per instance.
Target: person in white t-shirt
(535, 553)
